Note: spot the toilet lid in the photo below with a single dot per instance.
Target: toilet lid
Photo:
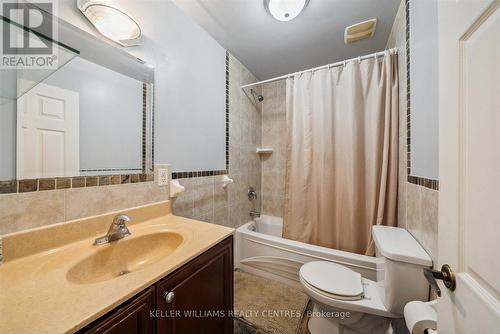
(332, 278)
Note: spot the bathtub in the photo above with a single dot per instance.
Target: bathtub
(261, 250)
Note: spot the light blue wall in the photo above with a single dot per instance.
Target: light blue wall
(7, 139)
(424, 89)
(189, 79)
(110, 114)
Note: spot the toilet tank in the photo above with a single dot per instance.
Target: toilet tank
(405, 259)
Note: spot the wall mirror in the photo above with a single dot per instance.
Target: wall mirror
(92, 115)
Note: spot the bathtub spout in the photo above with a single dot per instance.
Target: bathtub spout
(254, 214)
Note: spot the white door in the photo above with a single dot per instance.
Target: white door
(48, 133)
(469, 197)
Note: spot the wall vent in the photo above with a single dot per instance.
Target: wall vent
(359, 31)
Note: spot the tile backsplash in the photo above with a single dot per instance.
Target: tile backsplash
(30, 185)
(21, 211)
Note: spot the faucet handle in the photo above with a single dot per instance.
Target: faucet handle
(121, 220)
(252, 194)
(117, 230)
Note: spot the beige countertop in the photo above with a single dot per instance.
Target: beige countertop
(35, 293)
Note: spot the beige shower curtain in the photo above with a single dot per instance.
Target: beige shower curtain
(342, 153)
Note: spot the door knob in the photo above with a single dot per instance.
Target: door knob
(169, 296)
(447, 275)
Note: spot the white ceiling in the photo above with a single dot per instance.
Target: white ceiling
(269, 48)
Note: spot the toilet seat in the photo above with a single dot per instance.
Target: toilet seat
(333, 280)
(369, 302)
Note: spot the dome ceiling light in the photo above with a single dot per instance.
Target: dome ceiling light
(285, 10)
(111, 22)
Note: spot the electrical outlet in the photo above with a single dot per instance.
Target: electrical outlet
(163, 177)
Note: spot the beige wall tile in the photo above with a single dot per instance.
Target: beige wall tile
(28, 210)
(183, 204)
(273, 182)
(86, 202)
(203, 199)
(221, 195)
(274, 135)
(221, 216)
(272, 205)
(236, 191)
(429, 229)
(235, 215)
(422, 217)
(414, 208)
(206, 217)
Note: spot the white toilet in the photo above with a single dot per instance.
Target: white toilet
(346, 303)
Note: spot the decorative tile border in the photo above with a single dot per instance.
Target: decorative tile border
(144, 124)
(421, 181)
(31, 185)
(424, 182)
(152, 115)
(184, 175)
(227, 110)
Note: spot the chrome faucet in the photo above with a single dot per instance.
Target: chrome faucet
(118, 230)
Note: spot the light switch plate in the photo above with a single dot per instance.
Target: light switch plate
(163, 177)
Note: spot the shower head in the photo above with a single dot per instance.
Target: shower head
(259, 97)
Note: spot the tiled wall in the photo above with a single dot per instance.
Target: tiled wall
(204, 198)
(417, 205)
(34, 209)
(274, 136)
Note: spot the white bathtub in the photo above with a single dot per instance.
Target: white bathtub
(261, 250)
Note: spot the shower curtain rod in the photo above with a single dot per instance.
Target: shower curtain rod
(339, 63)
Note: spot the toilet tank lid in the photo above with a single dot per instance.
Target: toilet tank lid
(398, 244)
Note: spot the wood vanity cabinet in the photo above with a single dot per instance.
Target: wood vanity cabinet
(199, 296)
(196, 298)
(132, 317)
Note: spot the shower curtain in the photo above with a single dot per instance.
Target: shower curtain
(342, 153)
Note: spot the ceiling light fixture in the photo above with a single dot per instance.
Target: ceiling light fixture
(111, 22)
(285, 10)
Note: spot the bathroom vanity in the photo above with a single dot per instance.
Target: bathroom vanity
(170, 275)
(196, 298)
